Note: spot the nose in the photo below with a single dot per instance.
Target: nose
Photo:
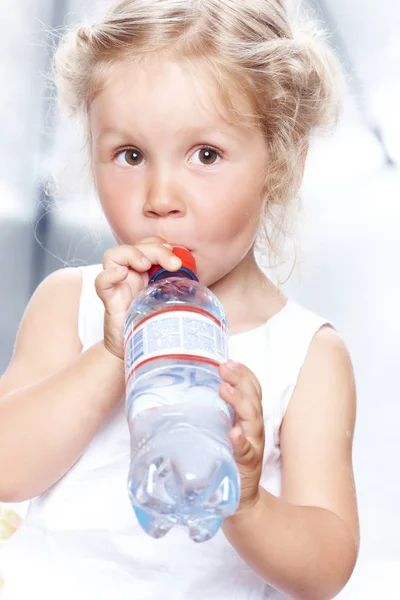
(164, 199)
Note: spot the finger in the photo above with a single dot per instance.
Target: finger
(160, 254)
(243, 449)
(241, 377)
(248, 413)
(140, 258)
(109, 278)
(246, 407)
(155, 239)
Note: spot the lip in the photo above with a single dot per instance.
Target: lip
(183, 246)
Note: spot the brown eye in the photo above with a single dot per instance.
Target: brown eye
(207, 156)
(130, 156)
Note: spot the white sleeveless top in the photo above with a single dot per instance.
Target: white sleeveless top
(80, 539)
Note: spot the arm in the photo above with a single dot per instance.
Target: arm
(53, 399)
(305, 543)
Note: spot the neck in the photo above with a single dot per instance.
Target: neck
(247, 295)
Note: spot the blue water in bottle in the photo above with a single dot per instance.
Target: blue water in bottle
(182, 470)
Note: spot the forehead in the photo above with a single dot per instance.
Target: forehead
(170, 95)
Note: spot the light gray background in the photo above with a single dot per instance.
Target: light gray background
(348, 234)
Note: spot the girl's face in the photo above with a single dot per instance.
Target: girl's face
(166, 163)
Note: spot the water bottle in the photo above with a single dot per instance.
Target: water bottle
(182, 471)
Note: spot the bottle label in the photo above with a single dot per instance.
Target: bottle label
(185, 333)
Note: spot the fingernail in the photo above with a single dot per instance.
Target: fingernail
(167, 246)
(146, 262)
(175, 261)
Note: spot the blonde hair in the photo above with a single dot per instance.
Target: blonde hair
(290, 76)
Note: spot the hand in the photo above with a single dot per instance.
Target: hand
(124, 275)
(242, 391)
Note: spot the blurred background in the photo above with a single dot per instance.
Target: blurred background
(348, 235)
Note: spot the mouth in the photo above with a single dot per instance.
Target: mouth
(182, 246)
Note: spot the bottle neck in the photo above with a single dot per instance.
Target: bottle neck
(164, 274)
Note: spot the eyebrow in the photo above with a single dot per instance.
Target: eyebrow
(192, 130)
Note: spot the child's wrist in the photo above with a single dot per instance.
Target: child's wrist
(110, 354)
(247, 511)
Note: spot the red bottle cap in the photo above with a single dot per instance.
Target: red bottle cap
(187, 258)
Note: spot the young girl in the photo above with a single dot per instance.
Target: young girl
(198, 115)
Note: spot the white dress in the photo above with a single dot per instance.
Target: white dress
(80, 539)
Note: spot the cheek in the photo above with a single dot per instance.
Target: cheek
(115, 201)
(233, 210)
(229, 232)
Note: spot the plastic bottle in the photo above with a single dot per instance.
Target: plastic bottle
(182, 468)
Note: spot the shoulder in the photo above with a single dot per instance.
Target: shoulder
(328, 358)
(314, 341)
(299, 337)
(68, 277)
(55, 300)
(327, 344)
(58, 291)
(47, 337)
(326, 379)
(66, 285)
